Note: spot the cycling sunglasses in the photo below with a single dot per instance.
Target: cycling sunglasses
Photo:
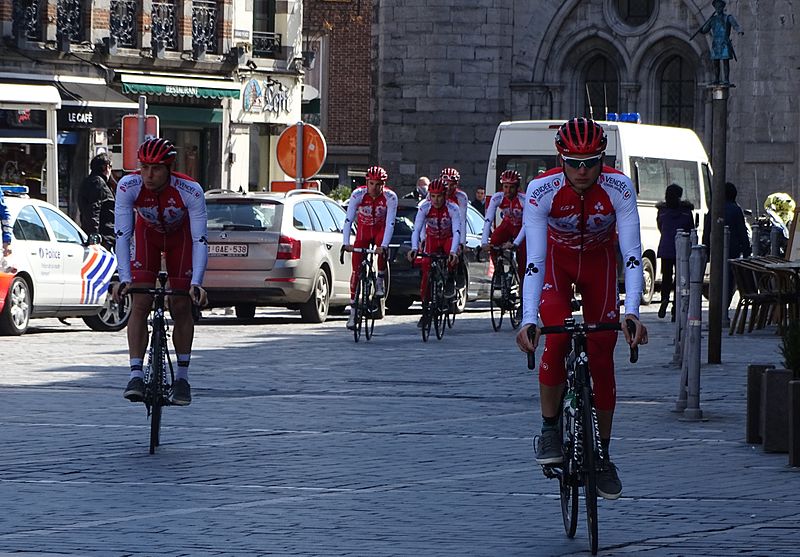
(582, 163)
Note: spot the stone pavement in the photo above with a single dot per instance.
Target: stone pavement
(300, 442)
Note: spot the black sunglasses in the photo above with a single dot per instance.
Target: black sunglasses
(582, 163)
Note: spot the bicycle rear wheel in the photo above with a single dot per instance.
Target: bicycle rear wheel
(156, 386)
(568, 486)
(368, 310)
(439, 308)
(589, 468)
(357, 310)
(496, 299)
(427, 313)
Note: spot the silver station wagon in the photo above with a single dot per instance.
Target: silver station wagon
(269, 249)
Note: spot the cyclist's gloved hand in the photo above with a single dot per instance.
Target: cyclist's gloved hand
(198, 295)
(379, 250)
(524, 343)
(347, 248)
(412, 255)
(452, 259)
(118, 290)
(508, 245)
(640, 336)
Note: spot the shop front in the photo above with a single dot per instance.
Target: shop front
(192, 112)
(268, 105)
(28, 140)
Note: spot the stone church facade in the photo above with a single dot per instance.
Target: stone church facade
(446, 72)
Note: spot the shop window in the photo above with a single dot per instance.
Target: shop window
(24, 164)
(601, 88)
(677, 89)
(29, 226)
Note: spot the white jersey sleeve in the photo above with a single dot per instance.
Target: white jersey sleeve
(623, 197)
(534, 224)
(521, 234)
(352, 211)
(419, 223)
(124, 218)
(198, 227)
(463, 204)
(491, 212)
(455, 211)
(391, 215)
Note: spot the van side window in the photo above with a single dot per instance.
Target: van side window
(652, 176)
(684, 173)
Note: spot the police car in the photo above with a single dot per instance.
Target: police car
(54, 270)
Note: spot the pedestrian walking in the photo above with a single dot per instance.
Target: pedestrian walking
(420, 191)
(673, 214)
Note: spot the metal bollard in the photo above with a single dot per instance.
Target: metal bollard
(681, 263)
(726, 272)
(697, 263)
(755, 239)
(774, 237)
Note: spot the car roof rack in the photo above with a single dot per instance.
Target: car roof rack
(303, 191)
(14, 190)
(224, 191)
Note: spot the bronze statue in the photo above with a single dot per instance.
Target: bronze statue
(720, 24)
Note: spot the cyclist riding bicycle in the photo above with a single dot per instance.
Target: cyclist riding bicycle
(440, 220)
(163, 211)
(459, 197)
(509, 233)
(573, 217)
(374, 208)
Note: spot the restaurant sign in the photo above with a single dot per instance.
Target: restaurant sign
(266, 96)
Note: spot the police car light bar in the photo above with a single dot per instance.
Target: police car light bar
(14, 189)
(633, 117)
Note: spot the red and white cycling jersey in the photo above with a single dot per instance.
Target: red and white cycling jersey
(510, 213)
(573, 223)
(438, 224)
(369, 212)
(461, 200)
(164, 212)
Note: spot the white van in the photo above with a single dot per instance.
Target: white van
(653, 156)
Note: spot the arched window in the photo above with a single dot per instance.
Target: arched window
(677, 93)
(601, 88)
(635, 12)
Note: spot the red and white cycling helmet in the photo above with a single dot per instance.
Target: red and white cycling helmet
(377, 173)
(580, 137)
(451, 174)
(437, 186)
(510, 177)
(157, 150)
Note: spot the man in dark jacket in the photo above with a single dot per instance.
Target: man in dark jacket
(96, 201)
(739, 244)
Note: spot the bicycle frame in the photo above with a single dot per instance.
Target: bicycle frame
(435, 307)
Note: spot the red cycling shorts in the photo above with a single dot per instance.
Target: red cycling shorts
(149, 244)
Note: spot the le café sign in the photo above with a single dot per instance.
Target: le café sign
(266, 96)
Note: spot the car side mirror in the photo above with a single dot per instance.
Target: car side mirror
(94, 239)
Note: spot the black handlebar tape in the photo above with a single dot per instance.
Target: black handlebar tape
(531, 355)
(632, 330)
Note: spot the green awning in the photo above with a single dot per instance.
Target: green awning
(180, 91)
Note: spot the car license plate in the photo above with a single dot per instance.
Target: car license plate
(227, 250)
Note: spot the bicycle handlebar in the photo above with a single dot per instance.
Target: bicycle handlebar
(357, 250)
(155, 291)
(584, 328)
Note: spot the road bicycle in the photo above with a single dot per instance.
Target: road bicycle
(157, 385)
(506, 291)
(365, 304)
(583, 452)
(436, 307)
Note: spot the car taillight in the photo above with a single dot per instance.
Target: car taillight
(288, 248)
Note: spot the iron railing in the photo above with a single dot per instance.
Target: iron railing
(27, 19)
(266, 44)
(123, 22)
(163, 25)
(204, 26)
(69, 20)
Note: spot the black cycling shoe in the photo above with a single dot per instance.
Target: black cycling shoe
(135, 390)
(609, 485)
(181, 393)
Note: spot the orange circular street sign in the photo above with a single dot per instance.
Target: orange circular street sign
(314, 151)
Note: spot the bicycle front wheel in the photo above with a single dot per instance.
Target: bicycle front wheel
(439, 309)
(367, 306)
(156, 386)
(515, 301)
(589, 468)
(496, 299)
(357, 310)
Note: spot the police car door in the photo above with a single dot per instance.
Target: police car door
(37, 251)
(70, 244)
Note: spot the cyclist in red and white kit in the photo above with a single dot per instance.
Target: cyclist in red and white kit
(439, 220)
(373, 208)
(573, 217)
(459, 197)
(164, 212)
(509, 233)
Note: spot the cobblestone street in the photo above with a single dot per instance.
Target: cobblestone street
(300, 442)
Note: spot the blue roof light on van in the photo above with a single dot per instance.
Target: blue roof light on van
(632, 117)
(612, 117)
(14, 189)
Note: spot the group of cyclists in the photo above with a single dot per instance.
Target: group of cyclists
(565, 228)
